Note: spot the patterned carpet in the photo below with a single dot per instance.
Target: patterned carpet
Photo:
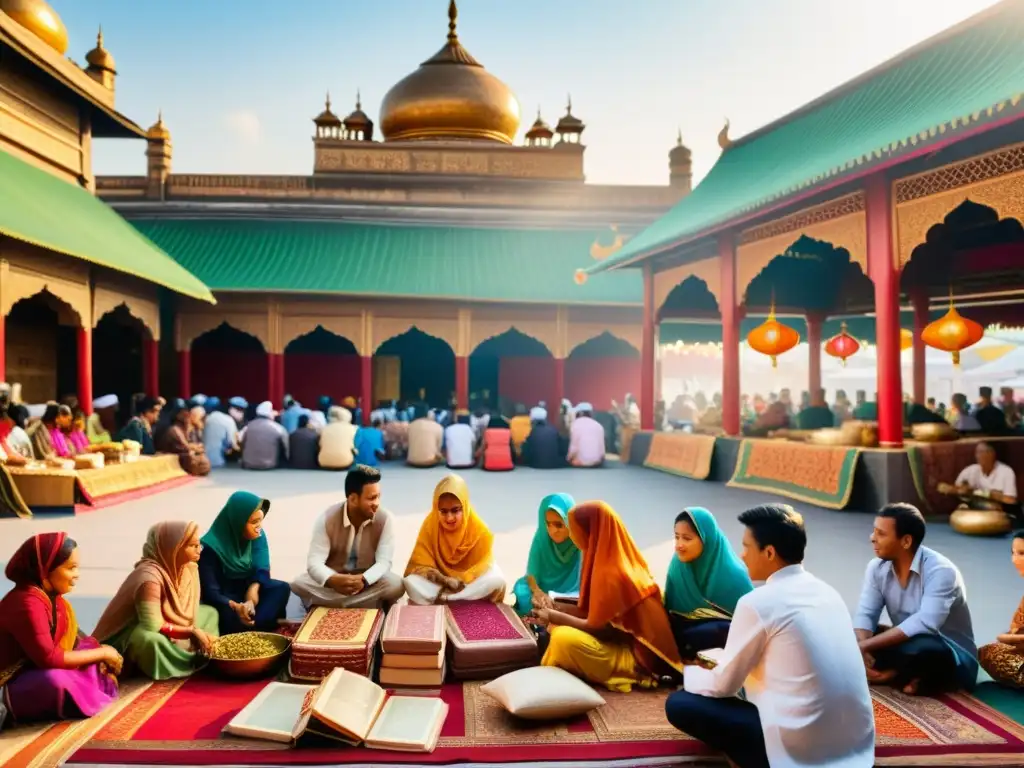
(179, 723)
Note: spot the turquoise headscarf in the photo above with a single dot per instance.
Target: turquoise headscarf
(240, 558)
(717, 579)
(556, 567)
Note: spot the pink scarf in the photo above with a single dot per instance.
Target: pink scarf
(60, 443)
(79, 441)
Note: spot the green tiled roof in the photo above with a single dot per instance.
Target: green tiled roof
(969, 73)
(527, 265)
(38, 208)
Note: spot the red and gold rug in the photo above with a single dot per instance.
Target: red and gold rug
(179, 723)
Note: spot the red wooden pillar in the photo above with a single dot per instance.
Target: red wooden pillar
(3, 348)
(85, 369)
(151, 367)
(185, 374)
(921, 316)
(647, 352)
(366, 387)
(555, 407)
(731, 316)
(882, 271)
(814, 326)
(462, 383)
(275, 379)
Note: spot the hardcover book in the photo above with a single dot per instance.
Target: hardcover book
(414, 629)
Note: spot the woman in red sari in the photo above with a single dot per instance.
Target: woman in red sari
(47, 670)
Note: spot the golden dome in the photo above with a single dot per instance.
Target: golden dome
(39, 19)
(99, 57)
(539, 129)
(327, 117)
(357, 119)
(158, 131)
(680, 152)
(450, 96)
(569, 123)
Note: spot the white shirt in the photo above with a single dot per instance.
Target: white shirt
(459, 440)
(792, 648)
(1002, 479)
(320, 548)
(586, 441)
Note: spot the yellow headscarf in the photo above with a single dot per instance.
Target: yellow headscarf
(464, 553)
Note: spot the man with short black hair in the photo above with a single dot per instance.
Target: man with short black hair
(790, 647)
(931, 646)
(349, 562)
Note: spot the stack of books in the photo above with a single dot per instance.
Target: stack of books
(413, 642)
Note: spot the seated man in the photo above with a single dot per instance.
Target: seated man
(140, 427)
(426, 438)
(960, 416)
(790, 647)
(264, 442)
(544, 448)
(986, 481)
(586, 439)
(349, 562)
(460, 443)
(370, 449)
(930, 647)
(817, 414)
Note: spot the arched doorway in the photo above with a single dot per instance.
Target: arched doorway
(423, 362)
(42, 347)
(117, 355)
(227, 362)
(511, 368)
(321, 363)
(602, 369)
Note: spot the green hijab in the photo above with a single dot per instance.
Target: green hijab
(556, 567)
(716, 579)
(239, 558)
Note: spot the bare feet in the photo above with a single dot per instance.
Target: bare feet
(880, 677)
(911, 688)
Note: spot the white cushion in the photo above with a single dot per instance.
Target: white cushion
(543, 693)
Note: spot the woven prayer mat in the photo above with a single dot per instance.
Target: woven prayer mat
(681, 454)
(179, 723)
(817, 474)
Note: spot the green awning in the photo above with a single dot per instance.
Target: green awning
(338, 257)
(968, 74)
(41, 209)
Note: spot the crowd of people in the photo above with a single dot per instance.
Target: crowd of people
(773, 675)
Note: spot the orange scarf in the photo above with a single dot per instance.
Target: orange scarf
(464, 553)
(616, 585)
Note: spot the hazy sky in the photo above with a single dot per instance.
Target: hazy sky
(239, 81)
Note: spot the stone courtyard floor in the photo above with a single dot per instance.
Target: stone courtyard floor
(111, 539)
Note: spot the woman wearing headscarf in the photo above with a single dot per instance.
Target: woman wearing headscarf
(234, 568)
(705, 580)
(554, 561)
(453, 558)
(155, 618)
(48, 671)
(180, 440)
(619, 633)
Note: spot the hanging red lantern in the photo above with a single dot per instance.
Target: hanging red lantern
(906, 339)
(842, 345)
(772, 338)
(952, 333)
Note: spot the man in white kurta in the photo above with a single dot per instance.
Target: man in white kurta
(790, 648)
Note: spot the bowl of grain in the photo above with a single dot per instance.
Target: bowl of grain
(248, 655)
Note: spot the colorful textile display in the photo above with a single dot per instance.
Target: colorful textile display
(487, 640)
(335, 637)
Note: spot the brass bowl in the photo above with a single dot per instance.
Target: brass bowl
(249, 669)
(933, 433)
(832, 437)
(977, 522)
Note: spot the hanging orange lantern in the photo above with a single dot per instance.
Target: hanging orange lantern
(772, 338)
(952, 333)
(906, 339)
(842, 345)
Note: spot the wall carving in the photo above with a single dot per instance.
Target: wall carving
(995, 179)
(544, 331)
(708, 270)
(294, 326)
(193, 325)
(385, 328)
(107, 297)
(580, 333)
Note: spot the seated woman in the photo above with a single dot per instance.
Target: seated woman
(234, 568)
(495, 448)
(101, 425)
(47, 438)
(48, 671)
(619, 634)
(554, 561)
(705, 579)
(452, 559)
(75, 435)
(1004, 659)
(155, 618)
(191, 454)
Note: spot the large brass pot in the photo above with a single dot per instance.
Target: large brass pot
(933, 433)
(249, 669)
(980, 522)
(832, 437)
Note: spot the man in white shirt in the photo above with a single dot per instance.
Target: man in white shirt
(349, 562)
(460, 443)
(426, 438)
(791, 648)
(988, 478)
(586, 439)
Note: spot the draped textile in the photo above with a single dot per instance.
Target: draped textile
(463, 553)
(239, 557)
(616, 585)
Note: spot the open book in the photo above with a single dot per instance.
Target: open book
(345, 707)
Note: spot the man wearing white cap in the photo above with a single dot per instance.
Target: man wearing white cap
(586, 439)
(100, 426)
(264, 441)
(544, 448)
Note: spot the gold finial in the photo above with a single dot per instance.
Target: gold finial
(679, 137)
(99, 37)
(359, 99)
(568, 104)
(723, 136)
(453, 17)
(327, 101)
(538, 112)
(160, 115)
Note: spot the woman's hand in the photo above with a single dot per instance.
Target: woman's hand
(245, 612)
(540, 617)
(542, 600)
(454, 585)
(202, 642)
(1010, 639)
(112, 659)
(252, 595)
